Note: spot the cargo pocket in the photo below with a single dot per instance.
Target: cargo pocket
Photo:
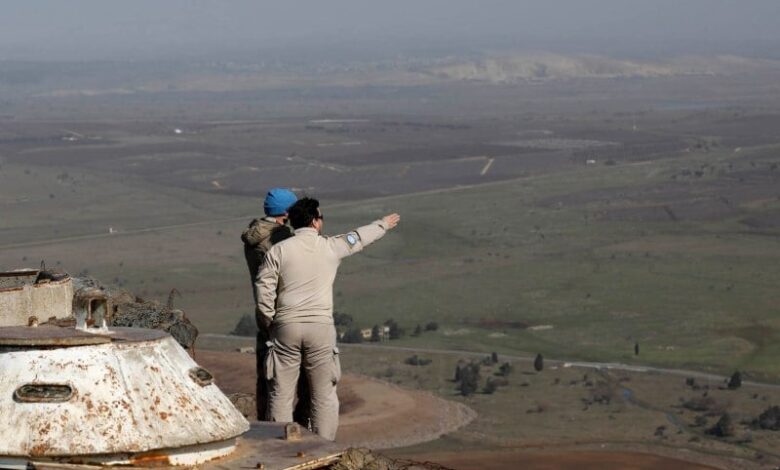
(270, 362)
(336, 366)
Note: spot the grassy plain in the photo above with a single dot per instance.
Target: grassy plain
(669, 238)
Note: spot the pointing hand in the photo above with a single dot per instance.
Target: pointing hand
(391, 220)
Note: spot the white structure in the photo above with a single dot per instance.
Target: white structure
(27, 293)
(132, 397)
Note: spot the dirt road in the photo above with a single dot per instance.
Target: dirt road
(374, 413)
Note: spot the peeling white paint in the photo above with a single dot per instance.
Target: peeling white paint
(129, 397)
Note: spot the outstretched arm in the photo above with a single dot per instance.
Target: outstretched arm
(354, 242)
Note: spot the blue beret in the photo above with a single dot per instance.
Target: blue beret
(278, 200)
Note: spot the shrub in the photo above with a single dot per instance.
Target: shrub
(417, 361)
(432, 326)
(505, 369)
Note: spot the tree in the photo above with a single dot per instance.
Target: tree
(539, 363)
(459, 370)
(432, 326)
(505, 369)
(494, 357)
(636, 349)
(395, 331)
(352, 335)
(469, 379)
(342, 319)
(735, 381)
(417, 330)
(490, 387)
(376, 334)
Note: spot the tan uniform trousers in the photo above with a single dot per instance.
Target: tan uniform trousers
(314, 344)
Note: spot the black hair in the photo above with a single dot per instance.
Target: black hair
(303, 212)
(279, 233)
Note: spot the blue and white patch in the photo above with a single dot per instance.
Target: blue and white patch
(352, 239)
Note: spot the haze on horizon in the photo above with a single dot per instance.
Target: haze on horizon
(300, 30)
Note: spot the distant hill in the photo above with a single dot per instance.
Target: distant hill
(547, 66)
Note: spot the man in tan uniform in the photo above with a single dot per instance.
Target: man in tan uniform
(258, 239)
(295, 298)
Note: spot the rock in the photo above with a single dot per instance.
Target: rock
(245, 403)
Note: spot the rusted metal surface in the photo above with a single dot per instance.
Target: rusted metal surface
(54, 336)
(27, 293)
(47, 336)
(264, 444)
(262, 447)
(132, 395)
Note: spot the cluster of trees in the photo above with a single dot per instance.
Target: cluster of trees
(468, 375)
(345, 322)
(431, 326)
(354, 334)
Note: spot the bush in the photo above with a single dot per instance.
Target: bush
(505, 369)
(417, 331)
(432, 326)
(494, 357)
(417, 361)
(489, 388)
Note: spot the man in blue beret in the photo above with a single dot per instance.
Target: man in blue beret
(258, 239)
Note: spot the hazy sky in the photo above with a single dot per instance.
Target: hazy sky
(136, 29)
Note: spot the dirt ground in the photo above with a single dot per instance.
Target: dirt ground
(379, 415)
(568, 460)
(374, 414)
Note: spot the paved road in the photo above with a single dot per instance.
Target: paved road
(558, 362)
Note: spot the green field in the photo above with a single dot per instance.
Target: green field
(699, 294)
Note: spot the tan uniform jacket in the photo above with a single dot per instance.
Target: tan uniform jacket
(295, 283)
